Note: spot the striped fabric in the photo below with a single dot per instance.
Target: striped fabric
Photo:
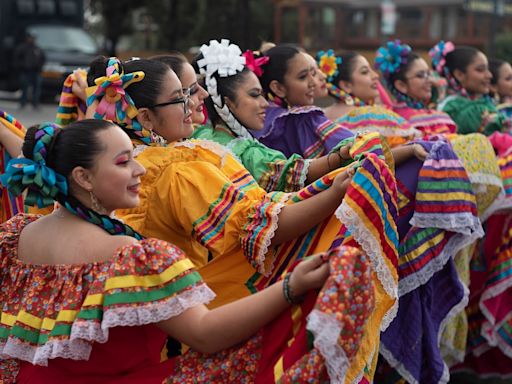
(10, 205)
(324, 131)
(445, 218)
(152, 277)
(70, 108)
(428, 121)
(375, 118)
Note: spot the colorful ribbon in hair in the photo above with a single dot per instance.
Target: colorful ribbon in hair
(113, 102)
(438, 54)
(329, 63)
(388, 61)
(391, 57)
(255, 64)
(43, 183)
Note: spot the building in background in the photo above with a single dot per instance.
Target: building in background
(357, 24)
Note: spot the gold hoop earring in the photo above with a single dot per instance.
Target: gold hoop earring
(96, 206)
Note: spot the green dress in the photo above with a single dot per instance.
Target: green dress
(471, 116)
(270, 168)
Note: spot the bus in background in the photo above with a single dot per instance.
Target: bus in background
(57, 26)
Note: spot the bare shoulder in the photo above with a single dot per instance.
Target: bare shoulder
(122, 241)
(53, 241)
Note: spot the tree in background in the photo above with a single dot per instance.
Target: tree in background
(185, 24)
(116, 19)
(503, 47)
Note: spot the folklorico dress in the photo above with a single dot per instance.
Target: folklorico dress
(428, 121)
(270, 168)
(436, 197)
(302, 130)
(489, 344)
(478, 158)
(96, 322)
(473, 115)
(375, 118)
(196, 194)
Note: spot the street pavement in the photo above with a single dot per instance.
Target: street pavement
(28, 116)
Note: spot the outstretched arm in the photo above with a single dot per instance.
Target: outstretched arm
(296, 219)
(325, 164)
(209, 331)
(11, 142)
(403, 152)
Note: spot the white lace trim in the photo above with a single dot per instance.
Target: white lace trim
(66, 349)
(462, 222)
(456, 309)
(386, 132)
(386, 354)
(456, 243)
(326, 330)
(139, 149)
(83, 333)
(304, 175)
(262, 252)
(501, 203)
(231, 146)
(359, 376)
(483, 178)
(371, 247)
(292, 111)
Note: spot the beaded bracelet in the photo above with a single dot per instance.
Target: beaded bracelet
(288, 293)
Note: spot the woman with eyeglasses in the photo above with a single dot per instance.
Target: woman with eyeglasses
(410, 81)
(243, 97)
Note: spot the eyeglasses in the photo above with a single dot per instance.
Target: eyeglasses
(192, 90)
(185, 99)
(423, 75)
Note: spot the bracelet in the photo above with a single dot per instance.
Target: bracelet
(288, 293)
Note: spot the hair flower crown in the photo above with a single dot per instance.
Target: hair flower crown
(328, 63)
(438, 54)
(255, 64)
(390, 57)
(223, 59)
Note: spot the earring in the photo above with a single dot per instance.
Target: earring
(96, 206)
(349, 100)
(157, 139)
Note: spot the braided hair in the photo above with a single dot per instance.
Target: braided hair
(224, 68)
(50, 155)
